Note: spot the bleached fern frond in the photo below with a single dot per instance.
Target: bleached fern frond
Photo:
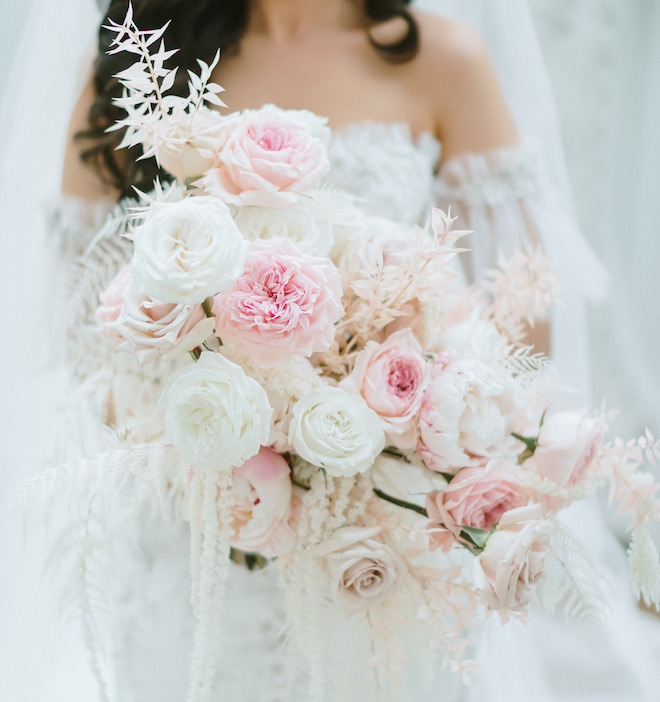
(644, 567)
(573, 586)
(145, 469)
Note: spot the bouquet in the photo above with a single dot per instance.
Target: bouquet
(338, 403)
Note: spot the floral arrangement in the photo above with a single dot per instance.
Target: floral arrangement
(344, 406)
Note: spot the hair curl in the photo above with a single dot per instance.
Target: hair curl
(197, 29)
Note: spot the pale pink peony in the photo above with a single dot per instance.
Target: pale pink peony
(285, 304)
(363, 570)
(109, 309)
(467, 414)
(152, 329)
(262, 491)
(476, 497)
(392, 377)
(512, 562)
(271, 157)
(568, 442)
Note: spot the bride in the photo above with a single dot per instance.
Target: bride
(418, 119)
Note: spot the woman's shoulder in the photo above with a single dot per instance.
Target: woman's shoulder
(449, 48)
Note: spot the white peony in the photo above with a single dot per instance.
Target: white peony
(310, 233)
(467, 412)
(217, 416)
(336, 431)
(473, 338)
(187, 251)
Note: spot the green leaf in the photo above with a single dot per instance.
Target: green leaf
(477, 536)
(531, 442)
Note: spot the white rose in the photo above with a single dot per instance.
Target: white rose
(215, 414)
(187, 251)
(363, 570)
(349, 225)
(312, 235)
(336, 431)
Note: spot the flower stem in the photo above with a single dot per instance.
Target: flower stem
(401, 503)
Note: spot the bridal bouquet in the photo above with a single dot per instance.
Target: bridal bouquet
(340, 403)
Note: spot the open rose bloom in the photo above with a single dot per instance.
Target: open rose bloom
(345, 405)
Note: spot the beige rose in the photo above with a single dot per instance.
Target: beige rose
(568, 442)
(363, 570)
(512, 562)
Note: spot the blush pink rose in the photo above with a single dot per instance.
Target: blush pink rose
(262, 491)
(568, 442)
(271, 157)
(513, 560)
(392, 377)
(109, 309)
(363, 570)
(476, 497)
(285, 304)
(152, 329)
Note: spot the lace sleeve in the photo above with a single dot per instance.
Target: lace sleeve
(505, 198)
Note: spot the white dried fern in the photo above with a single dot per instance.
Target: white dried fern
(573, 586)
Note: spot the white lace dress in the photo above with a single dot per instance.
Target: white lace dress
(148, 627)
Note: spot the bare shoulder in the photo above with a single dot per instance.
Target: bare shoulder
(455, 71)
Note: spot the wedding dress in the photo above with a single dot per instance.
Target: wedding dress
(148, 625)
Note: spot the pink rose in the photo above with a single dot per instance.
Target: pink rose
(568, 442)
(109, 309)
(363, 570)
(467, 414)
(513, 559)
(392, 377)
(285, 304)
(271, 157)
(263, 494)
(152, 329)
(475, 497)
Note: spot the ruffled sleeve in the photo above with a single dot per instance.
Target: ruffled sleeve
(506, 199)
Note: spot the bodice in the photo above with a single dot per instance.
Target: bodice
(389, 170)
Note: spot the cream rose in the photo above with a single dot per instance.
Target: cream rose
(187, 251)
(336, 431)
(190, 145)
(392, 377)
(363, 570)
(568, 442)
(512, 562)
(215, 415)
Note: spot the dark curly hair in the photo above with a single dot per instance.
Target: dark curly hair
(197, 29)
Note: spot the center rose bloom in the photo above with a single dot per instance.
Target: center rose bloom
(262, 494)
(476, 497)
(285, 304)
(363, 570)
(271, 157)
(512, 562)
(392, 377)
